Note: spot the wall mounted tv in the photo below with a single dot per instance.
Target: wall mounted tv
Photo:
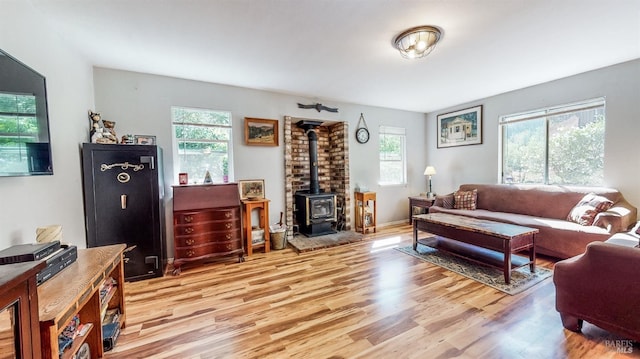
(25, 148)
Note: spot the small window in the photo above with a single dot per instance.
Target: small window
(561, 145)
(393, 167)
(202, 142)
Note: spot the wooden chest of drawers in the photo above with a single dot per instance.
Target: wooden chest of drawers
(206, 223)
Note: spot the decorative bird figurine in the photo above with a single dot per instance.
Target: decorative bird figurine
(319, 107)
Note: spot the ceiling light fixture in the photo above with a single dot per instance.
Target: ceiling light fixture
(417, 42)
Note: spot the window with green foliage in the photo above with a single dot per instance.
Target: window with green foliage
(18, 125)
(202, 142)
(561, 145)
(393, 167)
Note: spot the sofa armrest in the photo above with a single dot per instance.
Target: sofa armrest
(601, 286)
(618, 218)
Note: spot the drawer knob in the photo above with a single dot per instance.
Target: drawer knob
(190, 242)
(228, 225)
(229, 236)
(188, 219)
(190, 253)
(188, 230)
(227, 214)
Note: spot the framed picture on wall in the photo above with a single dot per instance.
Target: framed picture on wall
(459, 128)
(251, 189)
(260, 132)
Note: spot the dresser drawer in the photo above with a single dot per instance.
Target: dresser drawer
(205, 227)
(206, 216)
(207, 249)
(209, 237)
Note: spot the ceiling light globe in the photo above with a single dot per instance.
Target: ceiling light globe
(417, 42)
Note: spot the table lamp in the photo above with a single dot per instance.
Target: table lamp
(430, 171)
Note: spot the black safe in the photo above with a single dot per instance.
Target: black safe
(123, 203)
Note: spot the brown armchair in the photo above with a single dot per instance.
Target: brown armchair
(602, 286)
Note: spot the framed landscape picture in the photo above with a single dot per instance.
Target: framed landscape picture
(251, 189)
(460, 128)
(260, 132)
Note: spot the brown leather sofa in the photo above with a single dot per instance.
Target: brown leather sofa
(602, 286)
(546, 208)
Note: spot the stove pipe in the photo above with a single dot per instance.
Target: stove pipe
(309, 127)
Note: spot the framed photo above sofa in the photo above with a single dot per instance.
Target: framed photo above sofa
(459, 128)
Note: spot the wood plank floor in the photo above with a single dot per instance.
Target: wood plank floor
(362, 300)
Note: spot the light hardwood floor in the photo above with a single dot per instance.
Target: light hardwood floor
(363, 300)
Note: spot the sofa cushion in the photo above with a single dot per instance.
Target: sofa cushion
(465, 199)
(587, 208)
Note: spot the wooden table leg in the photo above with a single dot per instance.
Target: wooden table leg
(507, 261)
(532, 254)
(415, 234)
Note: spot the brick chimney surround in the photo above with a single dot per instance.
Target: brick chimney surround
(333, 165)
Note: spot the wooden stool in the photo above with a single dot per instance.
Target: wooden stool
(262, 205)
(362, 200)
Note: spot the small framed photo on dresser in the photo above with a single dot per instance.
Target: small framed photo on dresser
(144, 140)
(251, 189)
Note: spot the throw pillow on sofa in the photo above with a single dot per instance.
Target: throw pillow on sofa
(444, 201)
(587, 209)
(465, 199)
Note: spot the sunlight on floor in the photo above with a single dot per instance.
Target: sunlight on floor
(386, 243)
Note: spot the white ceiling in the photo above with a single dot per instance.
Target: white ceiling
(340, 50)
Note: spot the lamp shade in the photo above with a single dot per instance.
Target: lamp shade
(429, 171)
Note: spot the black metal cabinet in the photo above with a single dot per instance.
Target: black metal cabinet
(123, 200)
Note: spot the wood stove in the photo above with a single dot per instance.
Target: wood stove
(316, 210)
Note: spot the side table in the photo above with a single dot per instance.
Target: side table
(365, 214)
(262, 205)
(420, 202)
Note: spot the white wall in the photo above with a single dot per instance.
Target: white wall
(141, 104)
(619, 84)
(31, 202)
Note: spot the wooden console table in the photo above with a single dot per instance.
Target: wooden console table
(76, 290)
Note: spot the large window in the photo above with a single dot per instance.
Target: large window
(393, 154)
(558, 145)
(202, 142)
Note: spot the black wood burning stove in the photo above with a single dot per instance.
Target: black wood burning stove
(316, 210)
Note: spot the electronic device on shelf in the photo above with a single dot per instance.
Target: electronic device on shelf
(28, 252)
(56, 262)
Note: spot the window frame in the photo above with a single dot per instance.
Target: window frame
(176, 141)
(393, 131)
(543, 113)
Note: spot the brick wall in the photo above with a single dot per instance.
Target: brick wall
(333, 164)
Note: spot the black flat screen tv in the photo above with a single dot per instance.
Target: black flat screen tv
(25, 146)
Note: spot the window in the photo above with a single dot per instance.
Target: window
(202, 142)
(18, 127)
(393, 167)
(559, 145)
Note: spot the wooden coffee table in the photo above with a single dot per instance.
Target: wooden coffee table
(486, 242)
